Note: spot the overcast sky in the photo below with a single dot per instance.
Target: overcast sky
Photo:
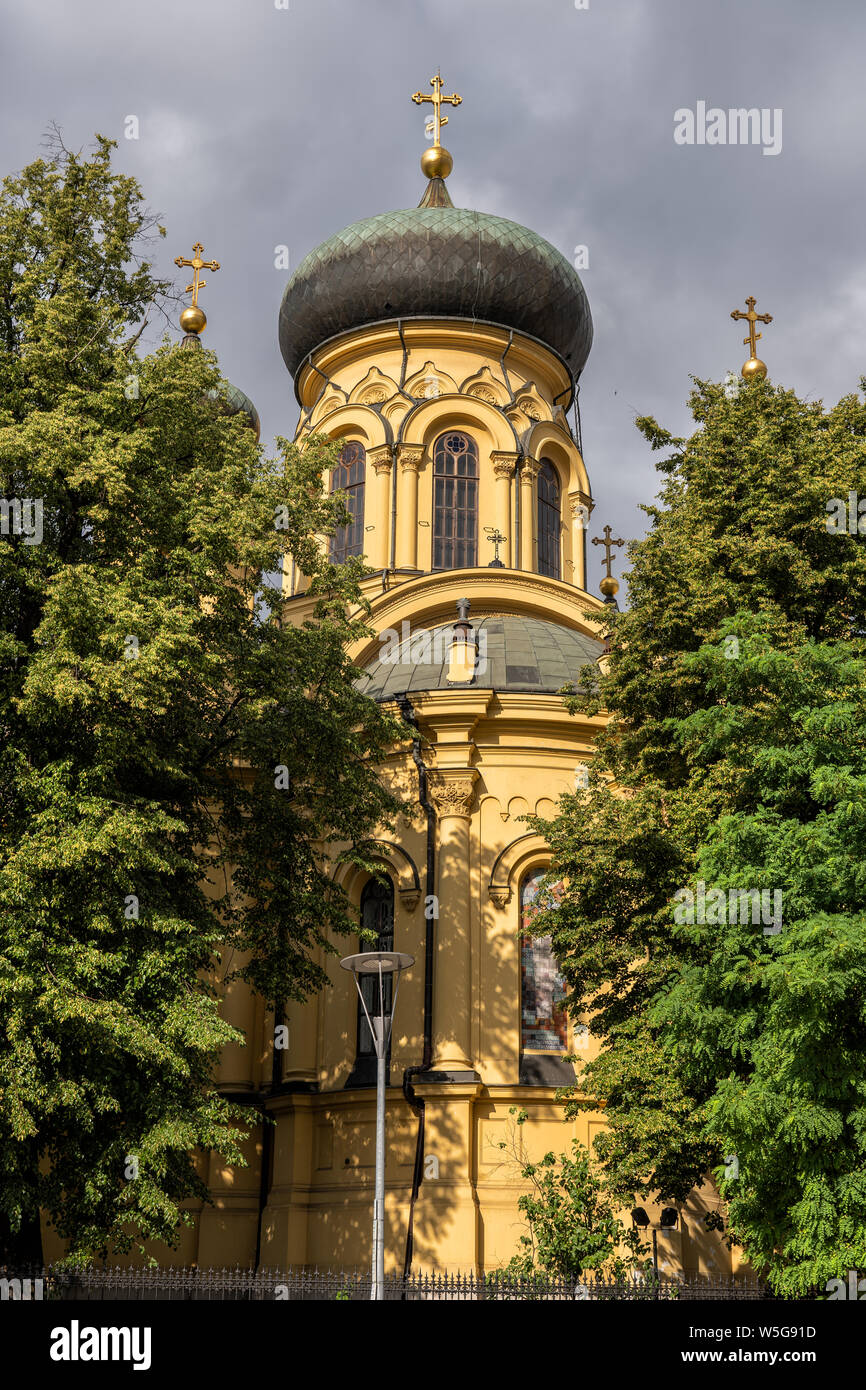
(261, 126)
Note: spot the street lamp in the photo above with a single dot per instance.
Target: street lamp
(667, 1220)
(378, 964)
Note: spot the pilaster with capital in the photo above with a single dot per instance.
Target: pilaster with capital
(504, 465)
(453, 793)
(379, 460)
(529, 471)
(409, 460)
(581, 507)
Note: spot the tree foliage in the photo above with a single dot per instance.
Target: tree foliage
(733, 759)
(573, 1226)
(174, 759)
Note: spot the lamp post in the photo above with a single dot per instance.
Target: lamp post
(667, 1221)
(378, 964)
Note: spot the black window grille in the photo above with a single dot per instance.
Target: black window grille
(377, 915)
(348, 477)
(455, 502)
(549, 526)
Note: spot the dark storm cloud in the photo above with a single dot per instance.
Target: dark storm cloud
(262, 126)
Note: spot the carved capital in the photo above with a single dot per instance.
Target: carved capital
(529, 472)
(410, 897)
(411, 457)
(453, 791)
(503, 464)
(500, 895)
(380, 458)
(581, 506)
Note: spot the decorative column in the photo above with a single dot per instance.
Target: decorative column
(452, 791)
(528, 507)
(581, 507)
(410, 458)
(503, 471)
(380, 459)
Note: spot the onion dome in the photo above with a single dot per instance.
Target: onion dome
(234, 401)
(515, 653)
(436, 261)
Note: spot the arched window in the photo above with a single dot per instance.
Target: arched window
(543, 1018)
(377, 915)
(348, 477)
(455, 501)
(548, 520)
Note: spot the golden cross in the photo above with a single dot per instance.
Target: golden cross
(752, 319)
(197, 264)
(608, 544)
(437, 99)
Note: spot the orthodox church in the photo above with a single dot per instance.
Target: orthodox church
(442, 348)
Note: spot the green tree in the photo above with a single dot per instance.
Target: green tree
(175, 764)
(767, 1017)
(736, 593)
(573, 1225)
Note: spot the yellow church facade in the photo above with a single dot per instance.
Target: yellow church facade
(440, 348)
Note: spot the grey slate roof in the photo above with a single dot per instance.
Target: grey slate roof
(438, 261)
(522, 654)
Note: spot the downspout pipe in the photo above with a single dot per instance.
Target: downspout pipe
(504, 369)
(393, 560)
(268, 1136)
(416, 1102)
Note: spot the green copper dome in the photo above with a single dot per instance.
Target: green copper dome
(516, 653)
(240, 403)
(436, 262)
(234, 401)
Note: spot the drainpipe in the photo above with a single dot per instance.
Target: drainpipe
(503, 369)
(516, 554)
(393, 563)
(268, 1135)
(414, 1101)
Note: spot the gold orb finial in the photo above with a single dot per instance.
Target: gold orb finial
(609, 586)
(754, 369)
(436, 162)
(193, 319)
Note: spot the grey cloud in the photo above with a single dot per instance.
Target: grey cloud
(262, 126)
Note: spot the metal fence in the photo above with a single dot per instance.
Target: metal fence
(294, 1285)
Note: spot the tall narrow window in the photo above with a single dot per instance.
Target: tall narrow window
(377, 915)
(348, 477)
(543, 1018)
(548, 520)
(455, 501)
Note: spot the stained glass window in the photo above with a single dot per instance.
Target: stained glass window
(543, 1018)
(455, 501)
(348, 477)
(548, 520)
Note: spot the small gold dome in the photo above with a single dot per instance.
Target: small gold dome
(436, 162)
(193, 319)
(609, 586)
(754, 368)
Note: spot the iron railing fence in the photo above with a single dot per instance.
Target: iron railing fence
(306, 1285)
